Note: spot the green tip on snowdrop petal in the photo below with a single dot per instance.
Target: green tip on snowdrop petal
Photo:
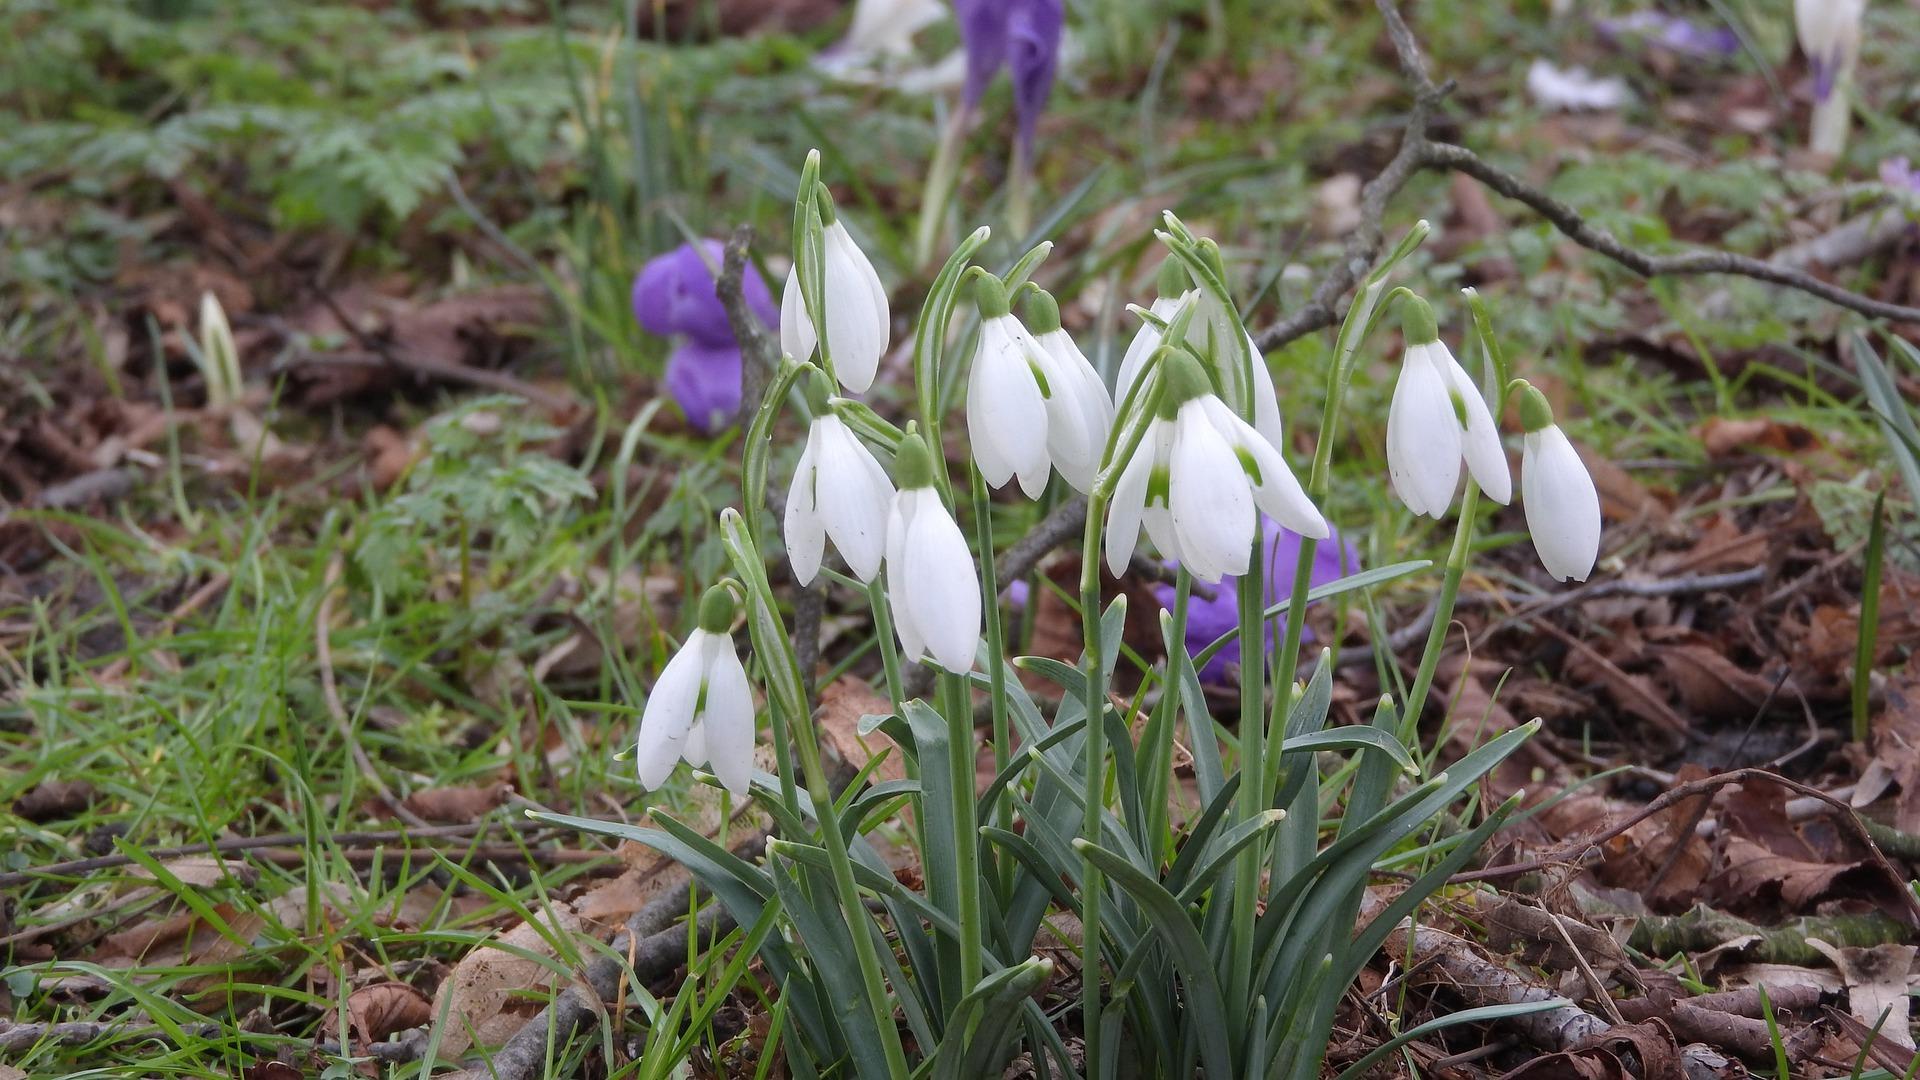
(1536, 414)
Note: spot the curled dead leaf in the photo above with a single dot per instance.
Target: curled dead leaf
(385, 1008)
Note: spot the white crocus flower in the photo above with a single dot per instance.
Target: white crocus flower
(933, 586)
(1437, 418)
(701, 709)
(858, 320)
(1195, 481)
(1829, 32)
(1210, 321)
(1032, 404)
(1562, 505)
(838, 491)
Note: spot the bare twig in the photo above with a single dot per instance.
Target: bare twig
(76, 867)
(1417, 152)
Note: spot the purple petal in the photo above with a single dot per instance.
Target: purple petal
(1899, 173)
(1334, 559)
(1672, 32)
(674, 293)
(705, 381)
(1033, 57)
(983, 34)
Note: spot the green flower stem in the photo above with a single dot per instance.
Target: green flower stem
(996, 637)
(1177, 659)
(959, 709)
(786, 694)
(1091, 884)
(889, 651)
(1253, 799)
(1442, 612)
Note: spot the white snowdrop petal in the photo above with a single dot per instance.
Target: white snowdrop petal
(669, 713)
(857, 329)
(1211, 502)
(728, 718)
(851, 499)
(805, 535)
(1266, 404)
(943, 586)
(796, 330)
(1275, 489)
(1480, 443)
(1423, 437)
(694, 752)
(1562, 505)
(1129, 502)
(1158, 521)
(1005, 408)
(899, 519)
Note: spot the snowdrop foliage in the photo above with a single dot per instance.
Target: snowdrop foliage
(855, 309)
(840, 492)
(1437, 418)
(932, 583)
(1033, 403)
(701, 709)
(1563, 507)
(1196, 478)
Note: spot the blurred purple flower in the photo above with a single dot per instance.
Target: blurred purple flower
(1022, 36)
(1899, 173)
(674, 295)
(1672, 32)
(1208, 619)
(705, 380)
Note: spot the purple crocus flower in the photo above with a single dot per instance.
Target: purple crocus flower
(1208, 619)
(1899, 173)
(1022, 36)
(674, 295)
(1674, 33)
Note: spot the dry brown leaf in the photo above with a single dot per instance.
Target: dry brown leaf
(202, 871)
(457, 804)
(1724, 437)
(1878, 979)
(1754, 873)
(9, 1072)
(478, 997)
(384, 1008)
(52, 799)
(842, 704)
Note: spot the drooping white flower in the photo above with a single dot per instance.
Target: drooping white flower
(1033, 402)
(932, 583)
(1562, 505)
(1196, 478)
(1206, 335)
(701, 708)
(840, 491)
(1437, 418)
(858, 320)
(1829, 32)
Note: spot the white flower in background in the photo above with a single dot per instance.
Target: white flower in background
(1032, 405)
(1196, 478)
(701, 708)
(1438, 417)
(858, 321)
(1563, 508)
(881, 32)
(1574, 89)
(1829, 32)
(1211, 320)
(839, 491)
(933, 586)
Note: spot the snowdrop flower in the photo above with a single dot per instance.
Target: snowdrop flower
(1213, 322)
(838, 491)
(1574, 89)
(1438, 417)
(932, 583)
(1829, 32)
(858, 320)
(1563, 508)
(881, 31)
(1032, 406)
(1196, 478)
(701, 709)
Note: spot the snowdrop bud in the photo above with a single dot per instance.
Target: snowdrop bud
(1829, 32)
(701, 708)
(933, 586)
(1563, 508)
(1437, 418)
(1196, 479)
(219, 358)
(839, 491)
(858, 319)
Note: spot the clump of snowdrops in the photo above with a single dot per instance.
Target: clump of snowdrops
(1221, 943)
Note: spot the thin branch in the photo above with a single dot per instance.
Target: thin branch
(1417, 152)
(76, 867)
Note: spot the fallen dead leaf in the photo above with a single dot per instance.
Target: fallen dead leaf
(457, 804)
(53, 799)
(384, 1008)
(842, 704)
(1878, 980)
(1724, 437)
(478, 998)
